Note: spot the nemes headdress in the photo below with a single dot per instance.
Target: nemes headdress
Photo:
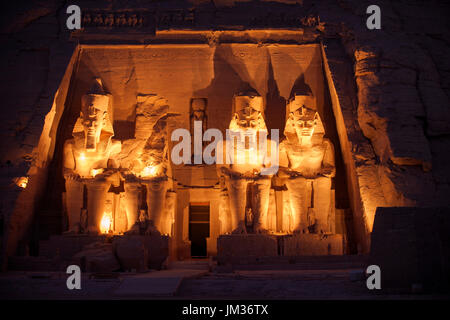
(99, 99)
(300, 100)
(302, 106)
(249, 98)
(97, 96)
(245, 100)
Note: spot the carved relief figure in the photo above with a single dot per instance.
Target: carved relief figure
(88, 159)
(198, 113)
(245, 155)
(307, 160)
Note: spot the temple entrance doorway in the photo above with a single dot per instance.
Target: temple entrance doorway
(199, 221)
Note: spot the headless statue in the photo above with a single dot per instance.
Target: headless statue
(307, 161)
(144, 163)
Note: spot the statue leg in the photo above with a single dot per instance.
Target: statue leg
(261, 204)
(322, 201)
(156, 198)
(131, 198)
(298, 199)
(237, 193)
(96, 196)
(74, 203)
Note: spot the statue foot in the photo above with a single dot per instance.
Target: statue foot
(76, 229)
(135, 229)
(151, 230)
(301, 230)
(322, 230)
(92, 230)
(260, 230)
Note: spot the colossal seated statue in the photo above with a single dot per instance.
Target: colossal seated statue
(242, 160)
(89, 160)
(307, 163)
(144, 162)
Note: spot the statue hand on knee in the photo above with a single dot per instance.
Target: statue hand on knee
(71, 175)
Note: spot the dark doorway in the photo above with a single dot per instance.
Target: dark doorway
(198, 228)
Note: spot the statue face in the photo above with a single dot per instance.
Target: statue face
(304, 121)
(248, 117)
(94, 119)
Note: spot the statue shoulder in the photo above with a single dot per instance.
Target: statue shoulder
(69, 144)
(285, 145)
(327, 142)
(116, 146)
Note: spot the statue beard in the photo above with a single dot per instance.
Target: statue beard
(92, 138)
(303, 138)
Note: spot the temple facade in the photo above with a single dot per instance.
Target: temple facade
(263, 115)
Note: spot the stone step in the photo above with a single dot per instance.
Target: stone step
(303, 263)
(19, 263)
(190, 264)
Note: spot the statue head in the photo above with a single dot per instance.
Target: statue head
(303, 120)
(94, 115)
(247, 117)
(143, 215)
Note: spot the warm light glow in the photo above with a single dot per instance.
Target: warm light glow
(149, 171)
(95, 172)
(21, 182)
(82, 156)
(105, 224)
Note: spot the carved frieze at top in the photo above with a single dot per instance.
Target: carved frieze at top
(242, 17)
(98, 21)
(194, 18)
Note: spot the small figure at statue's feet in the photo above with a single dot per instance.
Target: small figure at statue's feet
(241, 229)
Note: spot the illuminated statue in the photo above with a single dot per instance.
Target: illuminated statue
(308, 161)
(144, 160)
(246, 156)
(88, 159)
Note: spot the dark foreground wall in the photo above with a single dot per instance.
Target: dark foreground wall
(412, 247)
